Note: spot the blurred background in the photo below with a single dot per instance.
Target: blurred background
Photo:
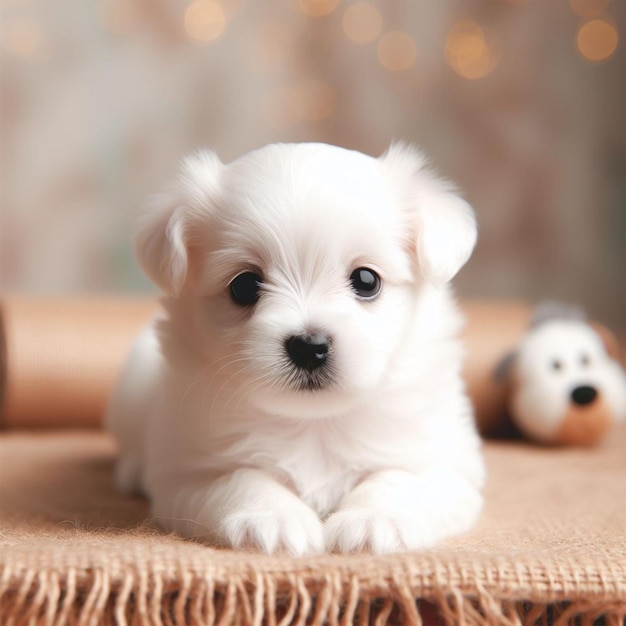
(521, 102)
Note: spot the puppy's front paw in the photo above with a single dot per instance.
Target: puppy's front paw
(371, 530)
(295, 530)
(362, 530)
(394, 510)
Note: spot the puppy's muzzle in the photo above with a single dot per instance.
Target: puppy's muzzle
(308, 352)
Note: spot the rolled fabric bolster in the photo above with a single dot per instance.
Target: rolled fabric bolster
(59, 357)
(62, 356)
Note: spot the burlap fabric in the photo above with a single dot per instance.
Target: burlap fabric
(550, 546)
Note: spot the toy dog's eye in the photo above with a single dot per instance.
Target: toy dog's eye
(244, 288)
(585, 360)
(556, 365)
(366, 283)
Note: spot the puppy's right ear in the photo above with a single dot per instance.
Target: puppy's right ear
(166, 230)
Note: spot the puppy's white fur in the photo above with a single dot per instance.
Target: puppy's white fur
(385, 457)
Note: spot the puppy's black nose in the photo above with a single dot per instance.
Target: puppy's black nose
(583, 395)
(308, 351)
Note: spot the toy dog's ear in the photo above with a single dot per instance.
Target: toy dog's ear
(444, 228)
(609, 340)
(503, 369)
(165, 231)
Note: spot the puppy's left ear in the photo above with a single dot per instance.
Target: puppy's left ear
(442, 224)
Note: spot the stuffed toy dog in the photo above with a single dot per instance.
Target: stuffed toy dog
(565, 384)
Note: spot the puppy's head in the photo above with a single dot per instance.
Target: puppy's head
(295, 269)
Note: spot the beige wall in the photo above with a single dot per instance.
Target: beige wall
(99, 101)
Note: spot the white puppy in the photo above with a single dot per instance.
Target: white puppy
(303, 391)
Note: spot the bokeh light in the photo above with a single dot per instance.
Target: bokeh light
(588, 8)
(22, 36)
(597, 40)
(318, 8)
(362, 22)
(204, 21)
(467, 52)
(397, 51)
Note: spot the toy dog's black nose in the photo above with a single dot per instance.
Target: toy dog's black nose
(583, 395)
(308, 351)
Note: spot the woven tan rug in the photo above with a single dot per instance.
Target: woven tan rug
(550, 547)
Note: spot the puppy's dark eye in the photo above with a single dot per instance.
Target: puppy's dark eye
(244, 288)
(366, 283)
